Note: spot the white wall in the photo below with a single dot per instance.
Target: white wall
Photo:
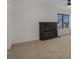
(28, 13)
(9, 23)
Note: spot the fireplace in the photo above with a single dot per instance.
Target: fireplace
(47, 30)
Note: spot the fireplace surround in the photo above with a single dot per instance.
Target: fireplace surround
(47, 30)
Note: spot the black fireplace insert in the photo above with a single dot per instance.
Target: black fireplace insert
(47, 30)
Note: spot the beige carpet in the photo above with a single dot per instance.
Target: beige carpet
(58, 48)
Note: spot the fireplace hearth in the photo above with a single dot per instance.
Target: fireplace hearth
(48, 30)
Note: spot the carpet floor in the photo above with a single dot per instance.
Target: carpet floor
(57, 48)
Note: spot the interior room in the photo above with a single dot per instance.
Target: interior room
(39, 29)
